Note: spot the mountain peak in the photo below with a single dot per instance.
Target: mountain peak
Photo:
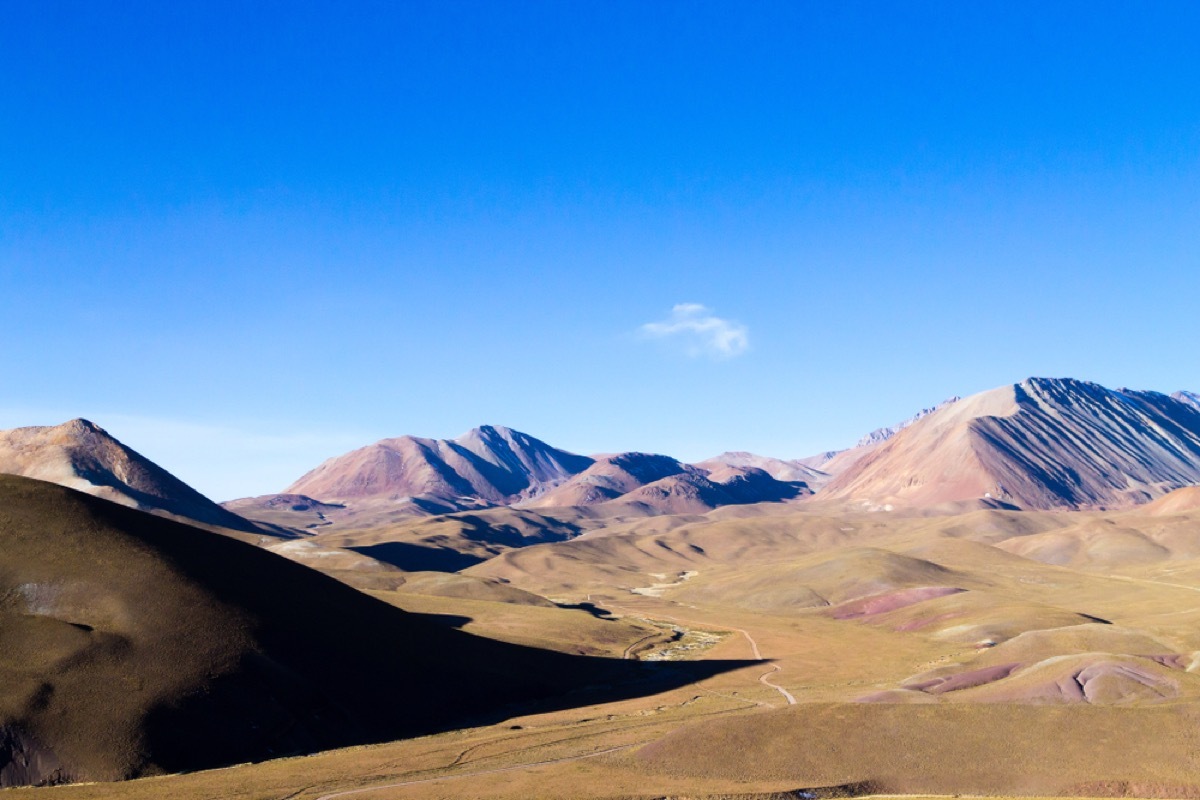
(1043, 443)
(492, 464)
(1043, 384)
(489, 431)
(74, 430)
(82, 425)
(81, 455)
(1190, 398)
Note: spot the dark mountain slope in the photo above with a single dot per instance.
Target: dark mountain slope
(657, 484)
(134, 644)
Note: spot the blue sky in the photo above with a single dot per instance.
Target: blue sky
(244, 237)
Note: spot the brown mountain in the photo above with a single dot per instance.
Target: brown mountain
(395, 479)
(134, 644)
(777, 468)
(689, 493)
(83, 456)
(491, 465)
(1040, 444)
(610, 477)
(658, 484)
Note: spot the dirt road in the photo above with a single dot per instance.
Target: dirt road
(763, 679)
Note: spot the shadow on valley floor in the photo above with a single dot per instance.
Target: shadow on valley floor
(445, 620)
(246, 717)
(226, 653)
(591, 608)
(331, 667)
(419, 558)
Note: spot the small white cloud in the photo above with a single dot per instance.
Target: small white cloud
(700, 332)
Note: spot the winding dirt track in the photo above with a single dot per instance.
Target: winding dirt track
(786, 694)
(763, 679)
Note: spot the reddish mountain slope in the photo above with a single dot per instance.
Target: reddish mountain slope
(1043, 443)
(610, 477)
(488, 465)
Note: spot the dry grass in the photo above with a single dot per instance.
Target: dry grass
(773, 577)
(134, 644)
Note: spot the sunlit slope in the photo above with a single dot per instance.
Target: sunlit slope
(624, 555)
(488, 465)
(1180, 501)
(1040, 444)
(777, 468)
(134, 644)
(83, 456)
(957, 584)
(947, 749)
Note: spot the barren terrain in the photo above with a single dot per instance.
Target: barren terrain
(924, 654)
(918, 635)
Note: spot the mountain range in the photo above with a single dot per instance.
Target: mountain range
(496, 466)
(490, 465)
(1029, 547)
(1038, 444)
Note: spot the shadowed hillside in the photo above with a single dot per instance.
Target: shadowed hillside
(647, 483)
(134, 644)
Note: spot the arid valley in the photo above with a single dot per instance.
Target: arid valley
(599, 399)
(999, 596)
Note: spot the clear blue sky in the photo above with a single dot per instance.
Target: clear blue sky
(247, 236)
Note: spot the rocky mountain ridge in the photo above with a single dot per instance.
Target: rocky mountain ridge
(880, 435)
(1039, 444)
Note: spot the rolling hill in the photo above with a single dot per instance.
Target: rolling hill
(656, 484)
(135, 644)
